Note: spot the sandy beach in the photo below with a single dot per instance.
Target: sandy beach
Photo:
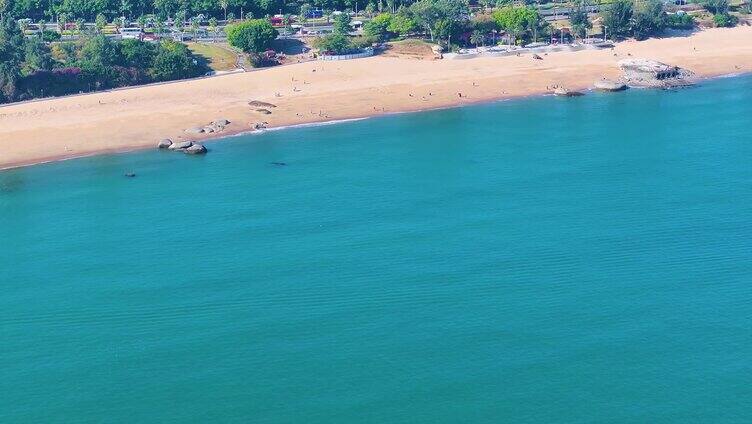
(137, 118)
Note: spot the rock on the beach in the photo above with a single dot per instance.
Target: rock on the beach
(563, 92)
(195, 149)
(181, 145)
(195, 130)
(536, 56)
(209, 129)
(264, 111)
(220, 122)
(256, 103)
(608, 85)
(163, 144)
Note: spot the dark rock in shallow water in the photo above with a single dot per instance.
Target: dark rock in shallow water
(563, 92)
(279, 163)
(130, 174)
(196, 149)
(164, 144)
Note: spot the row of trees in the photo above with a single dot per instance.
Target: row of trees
(30, 68)
(89, 9)
(646, 18)
(447, 20)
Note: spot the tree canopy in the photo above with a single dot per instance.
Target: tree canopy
(251, 36)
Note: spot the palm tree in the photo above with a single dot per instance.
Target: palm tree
(100, 22)
(62, 19)
(159, 26)
(41, 24)
(477, 38)
(195, 26)
(180, 22)
(23, 25)
(80, 26)
(213, 28)
(224, 4)
(142, 21)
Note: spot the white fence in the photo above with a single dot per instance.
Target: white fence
(365, 53)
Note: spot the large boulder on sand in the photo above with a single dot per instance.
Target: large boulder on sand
(163, 144)
(220, 122)
(196, 149)
(181, 145)
(195, 130)
(256, 103)
(608, 85)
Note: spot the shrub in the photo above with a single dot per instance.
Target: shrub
(334, 44)
(724, 20)
(50, 36)
(683, 21)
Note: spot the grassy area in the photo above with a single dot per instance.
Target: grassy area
(218, 57)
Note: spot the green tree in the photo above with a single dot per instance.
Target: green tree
(402, 24)
(100, 22)
(305, 9)
(195, 26)
(173, 61)
(477, 38)
(438, 16)
(180, 22)
(11, 57)
(213, 28)
(252, 36)
(342, 24)
(518, 21)
(378, 27)
(617, 18)
(142, 21)
(136, 53)
(580, 22)
(224, 4)
(649, 19)
(80, 26)
(62, 21)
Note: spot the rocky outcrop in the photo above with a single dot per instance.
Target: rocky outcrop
(609, 85)
(195, 149)
(187, 147)
(654, 74)
(164, 144)
(563, 92)
(195, 130)
(259, 125)
(180, 145)
(260, 104)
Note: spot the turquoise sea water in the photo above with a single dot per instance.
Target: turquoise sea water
(542, 260)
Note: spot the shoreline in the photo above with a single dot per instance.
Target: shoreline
(135, 118)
